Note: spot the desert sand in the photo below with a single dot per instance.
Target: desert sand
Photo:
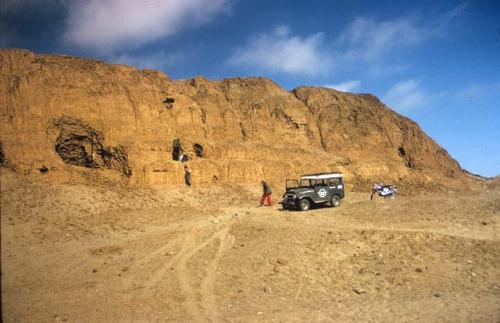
(110, 253)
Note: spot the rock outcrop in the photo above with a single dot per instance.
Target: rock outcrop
(77, 116)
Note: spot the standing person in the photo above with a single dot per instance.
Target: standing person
(375, 188)
(187, 175)
(176, 149)
(266, 194)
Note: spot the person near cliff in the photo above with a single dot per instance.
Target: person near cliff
(187, 175)
(374, 190)
(266, 195)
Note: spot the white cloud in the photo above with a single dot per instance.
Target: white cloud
(107, 26)
(348, 86)
(282, 52)
(405, 95)
(475, 90)
(367, 42)
(369, 39)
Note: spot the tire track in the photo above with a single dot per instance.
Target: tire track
(200, 305)
(208, 298)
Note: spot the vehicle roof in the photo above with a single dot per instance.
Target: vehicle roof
(321, 176)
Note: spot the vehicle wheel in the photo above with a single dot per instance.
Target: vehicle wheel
(335, 201)
(304, 205)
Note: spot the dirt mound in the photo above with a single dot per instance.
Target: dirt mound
(57, 110)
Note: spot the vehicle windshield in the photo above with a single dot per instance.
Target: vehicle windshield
(306, 183)
(291, 183)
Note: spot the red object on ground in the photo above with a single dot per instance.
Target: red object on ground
(268, 197)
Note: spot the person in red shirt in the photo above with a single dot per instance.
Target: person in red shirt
(266, 194)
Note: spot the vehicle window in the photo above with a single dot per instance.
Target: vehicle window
(334, 181)
(318, 182)
(305, 183)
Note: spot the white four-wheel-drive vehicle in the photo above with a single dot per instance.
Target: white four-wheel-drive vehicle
(311, 189)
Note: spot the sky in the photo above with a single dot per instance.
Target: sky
(436, 62)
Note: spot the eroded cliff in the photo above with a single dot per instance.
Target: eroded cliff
(66, 118)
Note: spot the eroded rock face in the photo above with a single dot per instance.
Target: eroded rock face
(57, 110)
(2, 157)
(77, 144)
(81, 145)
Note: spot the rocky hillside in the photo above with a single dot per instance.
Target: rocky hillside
(70, 119)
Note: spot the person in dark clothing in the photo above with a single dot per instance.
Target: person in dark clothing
(187, 175)
(374, 190)
(176, 149)
(266, 194)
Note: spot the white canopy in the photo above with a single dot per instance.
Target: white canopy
(322, 176)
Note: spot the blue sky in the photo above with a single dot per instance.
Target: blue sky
(437, 62)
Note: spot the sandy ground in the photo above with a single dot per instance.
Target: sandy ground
(111, 254)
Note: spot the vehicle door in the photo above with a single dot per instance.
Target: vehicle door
(334, 187)
(321, 191)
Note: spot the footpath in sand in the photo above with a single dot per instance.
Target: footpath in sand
(108, 254)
